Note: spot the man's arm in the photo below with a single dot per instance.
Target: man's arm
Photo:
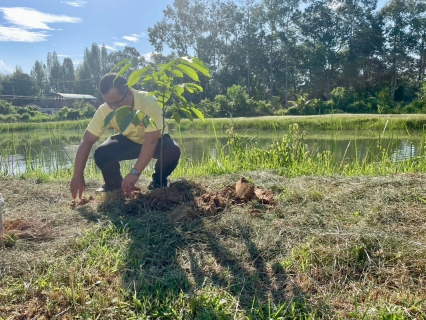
(145, 156)
(77, 182)
(147, 150)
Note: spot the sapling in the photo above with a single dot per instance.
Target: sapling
(169, 82)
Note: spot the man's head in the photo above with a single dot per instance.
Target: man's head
(115, 93)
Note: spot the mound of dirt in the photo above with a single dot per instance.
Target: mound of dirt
(189, 199)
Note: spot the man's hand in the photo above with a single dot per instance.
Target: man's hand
(129, 183)
(77, 185)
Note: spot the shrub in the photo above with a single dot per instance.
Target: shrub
(6, 107)
(25, 117)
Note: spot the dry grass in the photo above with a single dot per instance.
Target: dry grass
(338, 247)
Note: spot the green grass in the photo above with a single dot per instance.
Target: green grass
(344, 241)
(317, 122)
(332, 248)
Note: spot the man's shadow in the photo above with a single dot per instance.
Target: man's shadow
(170, 247)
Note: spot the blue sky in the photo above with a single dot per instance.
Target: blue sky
(29, 29)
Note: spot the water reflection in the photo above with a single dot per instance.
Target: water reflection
(31, 151)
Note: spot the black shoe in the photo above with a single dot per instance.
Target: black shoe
(156, 184)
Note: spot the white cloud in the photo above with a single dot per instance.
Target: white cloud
(147, 56)
(134, 37)
(76, 3)
(21, 35)
(130, 38)
(120, 44)
(5, 68)
(27, 18)
(110, 48)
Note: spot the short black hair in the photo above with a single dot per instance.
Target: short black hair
(107, 82)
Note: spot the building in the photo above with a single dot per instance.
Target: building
(53, 102)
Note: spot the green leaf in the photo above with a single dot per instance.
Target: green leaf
(193, 86)
(188, 71)
(187, 113)
(163, 98)
(182, 98)
(176, 116)
(121, 114)
(109, 117)
(123, 70)
(127, 120)
(138, 118)
(146, 121)
(122, 62)
(179, 90)
(147, 78)
(178, 73)
(136, 76)
(198, 113)
(196, 64)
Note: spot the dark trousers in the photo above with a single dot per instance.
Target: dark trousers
(117, 148)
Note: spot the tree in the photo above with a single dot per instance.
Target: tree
(399, 39)
(68, 75)
(55, 76)
(20, 87)
(321, 27)
(39, 76)
(181, 27)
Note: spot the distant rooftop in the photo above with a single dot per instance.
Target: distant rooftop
(77, 96)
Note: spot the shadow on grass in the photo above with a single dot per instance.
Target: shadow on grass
(182, 260)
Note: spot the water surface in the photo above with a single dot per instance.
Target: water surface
(55, 150)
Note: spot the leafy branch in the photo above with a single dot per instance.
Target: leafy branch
(171, 81)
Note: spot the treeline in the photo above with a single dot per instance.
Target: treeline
(324, 55)
(272, 57)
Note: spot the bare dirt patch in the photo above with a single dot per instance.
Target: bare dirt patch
(30, 230)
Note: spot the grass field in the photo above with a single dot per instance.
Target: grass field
(330, 248)
(340, 241)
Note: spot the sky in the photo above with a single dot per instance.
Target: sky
(30, 29)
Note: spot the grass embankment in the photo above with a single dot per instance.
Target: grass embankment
(331, 248)
(316, 122)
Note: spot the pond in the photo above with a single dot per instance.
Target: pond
(48, 150)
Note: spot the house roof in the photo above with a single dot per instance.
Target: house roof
(77, 96)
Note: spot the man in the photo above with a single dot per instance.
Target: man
(136, 142)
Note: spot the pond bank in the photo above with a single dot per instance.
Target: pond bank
(316, 122)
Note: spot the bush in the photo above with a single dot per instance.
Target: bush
(9, 118)
(6, 107)
(85, 109)
(25, 117)
(67, 114)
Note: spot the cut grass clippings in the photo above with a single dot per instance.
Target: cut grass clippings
(329, 248)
